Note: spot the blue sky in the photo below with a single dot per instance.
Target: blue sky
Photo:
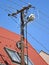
(39, 28)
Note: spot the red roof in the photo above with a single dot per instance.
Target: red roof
(8, 39)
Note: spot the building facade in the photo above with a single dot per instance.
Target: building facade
(45, 56)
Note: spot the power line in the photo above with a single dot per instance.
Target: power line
(29, 47)
(23, 1)
(14, 20)
(37, 22)
(11, 16)
(38, 12)
(14, 2)
(42, 18)
(8, 6)
(45, 15)
(5, 9)
(42, 25)
(12, 40)
(37, 41)
(10, 12)
(26, 44)
(37, 9)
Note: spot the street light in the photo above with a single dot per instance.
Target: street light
(31, 17)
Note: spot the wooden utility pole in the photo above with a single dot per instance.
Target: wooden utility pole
(22, 30)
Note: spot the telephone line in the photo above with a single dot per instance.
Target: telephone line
(45, 15)
(37, 41)
(31, 37)
(5, 5)
(43, 28)
(38, 10)
(14, 2)
(11, 17)
(43, 25)
(23, 1)
(35, 8)
(43, 19)
(12, 40)
(5, 9)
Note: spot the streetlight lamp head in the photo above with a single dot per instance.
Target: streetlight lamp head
(31, 17)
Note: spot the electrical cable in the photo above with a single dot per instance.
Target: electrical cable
(8, 6)
(38, 42)
(31, 37)
(44, 14)
(14, 20)
(5, 9)
(29, 47)
(34, 39)
(38, 22)
(41, 44)
(10, 12)
(14, 2)
(23, 1)
(26, 44)
(38, 10)
(11, 16)
(43, 26)
(13, 40)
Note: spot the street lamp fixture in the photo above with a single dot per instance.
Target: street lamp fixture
(31, 17)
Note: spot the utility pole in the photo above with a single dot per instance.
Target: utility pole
(22, 30)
